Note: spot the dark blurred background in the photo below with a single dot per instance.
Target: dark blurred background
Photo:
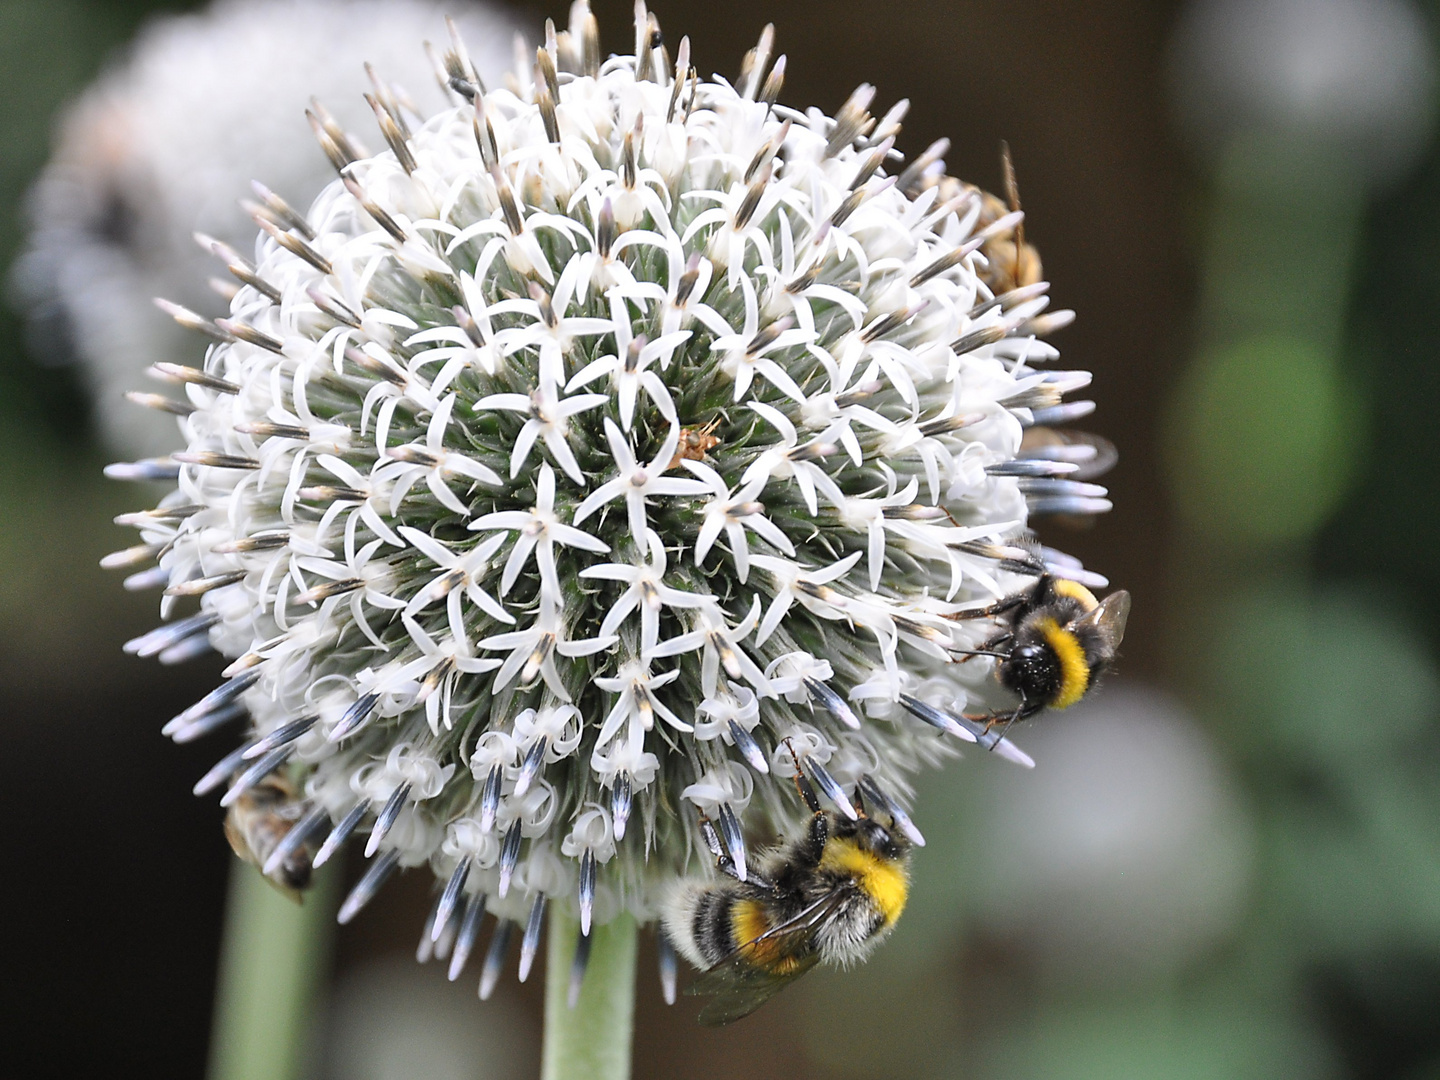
(1227, 864)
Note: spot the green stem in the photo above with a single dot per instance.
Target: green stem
(273, 958)
(592, 1040)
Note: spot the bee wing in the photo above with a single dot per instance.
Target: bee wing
(1109, 618)
(736, 989)
(738, 985)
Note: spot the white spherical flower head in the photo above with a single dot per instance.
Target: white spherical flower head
(610, 449)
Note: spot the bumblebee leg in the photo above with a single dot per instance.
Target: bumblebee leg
(1025, 709)
(723, 862)
(802, 783)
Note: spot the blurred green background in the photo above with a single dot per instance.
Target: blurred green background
(1227, 864)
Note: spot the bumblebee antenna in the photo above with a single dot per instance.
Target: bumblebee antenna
(1012, 196)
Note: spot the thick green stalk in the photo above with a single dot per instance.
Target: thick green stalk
(273, 958)
(592, 1040)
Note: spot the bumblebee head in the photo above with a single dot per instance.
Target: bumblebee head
(880, 840)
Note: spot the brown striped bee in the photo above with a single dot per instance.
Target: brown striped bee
(1057, 642)
(829, 895)
(256, 823)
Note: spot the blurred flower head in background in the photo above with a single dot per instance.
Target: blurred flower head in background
(609, 448)
(167, 143)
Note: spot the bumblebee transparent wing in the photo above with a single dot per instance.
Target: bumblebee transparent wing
(737, 988)
(763, 966)
(1109, 618)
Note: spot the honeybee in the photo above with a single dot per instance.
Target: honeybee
(1010, 262)
(262, 817)
(830, 895)
(1058, 641)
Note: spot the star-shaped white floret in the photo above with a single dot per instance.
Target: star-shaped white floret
(460, 577)
(357, 579)
(432, 462)
(627, 367)
(721, 643)
(634, 482)
(532, 650)
(869, 514)
(548, 420)
(637, 702)
(747, 353)
(810, 587)
(734, 513)
(647, 591)
(787, 459)
(437, 668)
(539, 531)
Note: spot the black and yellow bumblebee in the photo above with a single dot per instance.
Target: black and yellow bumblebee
(830, 895)
(1058, 640)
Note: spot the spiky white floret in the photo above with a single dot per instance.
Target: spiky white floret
(620, 442)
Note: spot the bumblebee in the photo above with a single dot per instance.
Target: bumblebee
(259, 820)
(829, 895)
(1057, 642)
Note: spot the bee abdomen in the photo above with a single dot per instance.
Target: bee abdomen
(698, 923)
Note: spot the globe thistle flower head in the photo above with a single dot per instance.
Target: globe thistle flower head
(611, 448)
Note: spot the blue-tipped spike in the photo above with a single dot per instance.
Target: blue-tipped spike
(386, 818)
(587, 890)
(495, 957)
(208, 722)
(995, 740)
(509, 856)
(875, 793)
(285, 733)
(1060, 415)
(354, 717)
(369, 884)
(340, 833)
(446, 904)
(221, 696)
(734, 839)
(490, 798)
(530, 767)
(667, 969)
(946, 722)
(833, 703)
(255, 773)
(749, 748)
(831, 787)
(301, 831)
(426, 949)
(221, 771)
(531, 942)
(465, 939)
(620, 805)
(170, 635)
